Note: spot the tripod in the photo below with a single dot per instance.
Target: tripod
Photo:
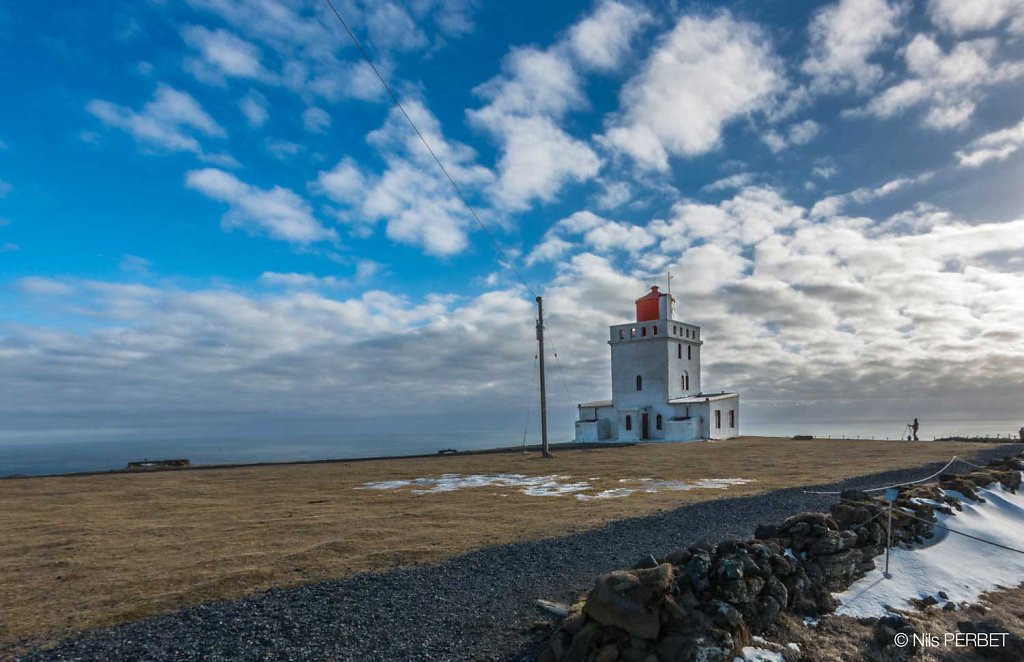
(908, 432)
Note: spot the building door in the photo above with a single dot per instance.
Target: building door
(645, 426)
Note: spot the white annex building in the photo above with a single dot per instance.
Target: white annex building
(656, 392)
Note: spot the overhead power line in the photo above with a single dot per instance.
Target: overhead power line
(508, 262)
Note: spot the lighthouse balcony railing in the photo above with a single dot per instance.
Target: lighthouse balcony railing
(654, 329)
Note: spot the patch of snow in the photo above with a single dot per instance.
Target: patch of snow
(793, 646)
(552, 485)
(962, 567)
(651, 485)
(385, 485)
(753, 654)
(615, 493)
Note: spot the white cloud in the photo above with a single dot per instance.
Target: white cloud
(602, 40)
(221, 55)
(313, 56)
(283, 149)
(276, 212)
(411, 195)
(718, 69)
(995, 146)
(947, 84)
(587, 229)
(800, 133)
(963, 16)
(804, 132)
(737, 181)
(298, 281)
(254, 106)
(316, 120)
(614, 195)
(526, 101)
(538, 160)
(835, 204)
(169, 121)
(843, 38)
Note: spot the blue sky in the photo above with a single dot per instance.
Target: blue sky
(210, 208)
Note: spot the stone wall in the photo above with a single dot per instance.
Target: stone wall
(706, 603)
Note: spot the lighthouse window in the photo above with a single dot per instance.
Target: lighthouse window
(679, 350)
(639, 383)
(643, 331)
(655, 329)
(629, 422)
(689, 351)
(675, 330)
(622, 334)
(632, 332)
(687, 333)
(658, 421)
(718, 419)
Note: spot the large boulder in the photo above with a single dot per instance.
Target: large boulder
(630, 599)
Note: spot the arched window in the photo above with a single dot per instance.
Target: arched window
(632, 332)
(682, 382)
(687, 381)
(629, 422)
(657, 421)
(679, 350)
(639, 383)
(643, 331)
(622, 334)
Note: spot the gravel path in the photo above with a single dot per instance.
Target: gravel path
(478, 606)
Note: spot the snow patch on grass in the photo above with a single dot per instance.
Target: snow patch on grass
(553, 485)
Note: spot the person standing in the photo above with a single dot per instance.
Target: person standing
(1021, 433)
(913, 428)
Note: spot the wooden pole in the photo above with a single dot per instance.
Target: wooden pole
(543, 389)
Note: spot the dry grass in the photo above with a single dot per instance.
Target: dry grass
(80, 552)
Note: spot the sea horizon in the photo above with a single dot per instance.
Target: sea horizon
(36, 454)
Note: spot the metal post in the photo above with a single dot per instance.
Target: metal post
(543, 389)
(888, 542)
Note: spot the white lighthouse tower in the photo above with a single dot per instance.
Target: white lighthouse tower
(656, 388)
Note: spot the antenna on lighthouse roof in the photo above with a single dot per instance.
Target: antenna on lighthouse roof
(668, 282)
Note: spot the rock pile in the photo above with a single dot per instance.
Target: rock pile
(706, 603)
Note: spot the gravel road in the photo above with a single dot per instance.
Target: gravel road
(478, 606)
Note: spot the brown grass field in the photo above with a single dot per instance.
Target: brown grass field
(78, 552)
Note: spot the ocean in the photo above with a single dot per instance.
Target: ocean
(40, 455)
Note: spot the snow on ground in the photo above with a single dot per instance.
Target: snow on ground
(755, 654)
(961, 567)
(552, 485)
(652, 485)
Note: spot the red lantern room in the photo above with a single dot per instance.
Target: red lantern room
(649, 306)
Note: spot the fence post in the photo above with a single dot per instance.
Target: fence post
(888, 542)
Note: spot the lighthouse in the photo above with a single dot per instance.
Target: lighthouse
(656, 383)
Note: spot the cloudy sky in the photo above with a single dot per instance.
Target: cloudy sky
(210, 214)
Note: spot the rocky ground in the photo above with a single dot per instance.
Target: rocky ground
(478, 606)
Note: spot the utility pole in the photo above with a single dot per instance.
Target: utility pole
(543, 390)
